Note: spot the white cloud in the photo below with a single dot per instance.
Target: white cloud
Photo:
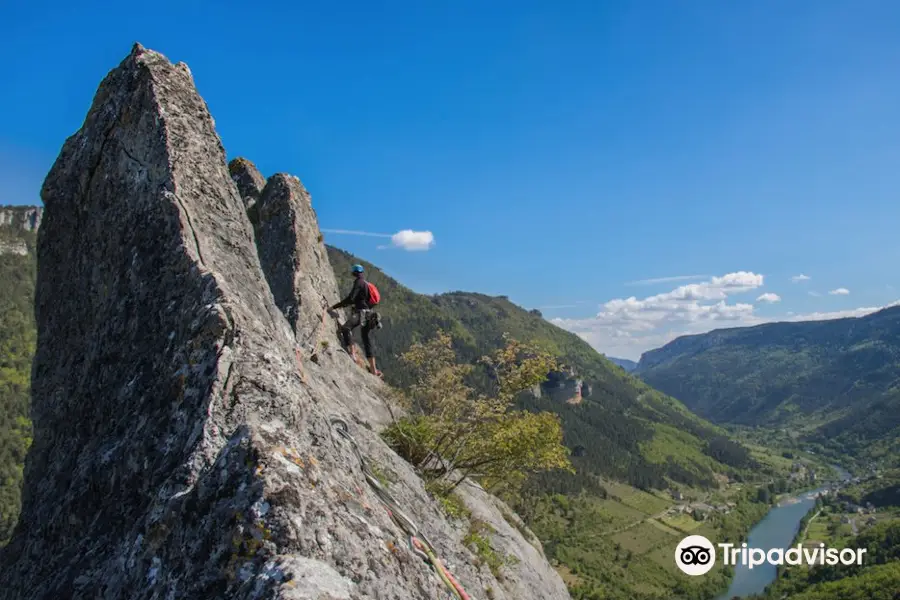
(627, 327)
(666, 279)
(840, 314)
(839, 292)
(351, 232)
(406, 239)
(800, 277)
(413, 240)
(574, 304)
(814, 294)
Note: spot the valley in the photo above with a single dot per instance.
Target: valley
(612, 526)
(648, 471)
(827, 386)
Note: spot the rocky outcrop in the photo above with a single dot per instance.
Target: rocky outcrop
(18, 225)
(27, 218)
(18, 247)
(180, 450)
(293, 253)
(566, 386)
(249, 182)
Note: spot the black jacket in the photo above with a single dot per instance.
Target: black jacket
(358, 296)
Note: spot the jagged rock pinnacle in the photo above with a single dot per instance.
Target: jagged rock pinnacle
(292, 252)
(250, 184)
(182, 445)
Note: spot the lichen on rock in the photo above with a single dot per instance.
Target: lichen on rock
(178, 452)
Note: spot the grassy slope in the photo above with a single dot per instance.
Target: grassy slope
(836, 381)
(17, 339)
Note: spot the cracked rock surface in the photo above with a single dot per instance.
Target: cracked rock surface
(180, 449)
(249, 182)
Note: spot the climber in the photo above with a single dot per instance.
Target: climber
(362, 297)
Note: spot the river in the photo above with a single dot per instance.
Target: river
(776, 530)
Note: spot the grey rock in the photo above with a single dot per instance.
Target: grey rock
(250, 184)
(27, 218)
(183, 445)
(293, 253)
(18, 247)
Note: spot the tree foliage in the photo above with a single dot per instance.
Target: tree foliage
(17, 343)
(453, 432)
(835, 381)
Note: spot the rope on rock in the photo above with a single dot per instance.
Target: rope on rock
(418, 543)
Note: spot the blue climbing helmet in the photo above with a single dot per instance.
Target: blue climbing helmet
(357, 269)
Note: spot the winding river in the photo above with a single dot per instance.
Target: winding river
(776, 530)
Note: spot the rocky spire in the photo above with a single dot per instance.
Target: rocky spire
(249, 182)
(177, 451)
(292, 252)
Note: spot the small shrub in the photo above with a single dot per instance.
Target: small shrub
(477, 539)
(454, 433)
(450, 502)
(381, 474)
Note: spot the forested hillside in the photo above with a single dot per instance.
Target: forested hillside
(610, 539)
(17, 340)
(621, 427)
(628, 365)
(837, 382)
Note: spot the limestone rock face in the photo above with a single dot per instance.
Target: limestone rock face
(183, 442)
(27, 218)
(249, 182)
(18, 247)
(293, 253)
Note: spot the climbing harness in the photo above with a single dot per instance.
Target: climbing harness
(370, 318)
(418, 543)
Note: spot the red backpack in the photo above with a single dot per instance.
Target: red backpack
(374, 294)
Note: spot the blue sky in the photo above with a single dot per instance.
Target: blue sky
(555, 153)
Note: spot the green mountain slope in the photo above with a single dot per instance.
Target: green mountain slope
(621, 427)
(17, 340)
(628, 365)
(609, 527)
(837, 381)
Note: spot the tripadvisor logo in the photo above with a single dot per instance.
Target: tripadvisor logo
(696, 555)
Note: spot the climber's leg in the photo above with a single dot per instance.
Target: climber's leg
(369, 349)
(347, 333)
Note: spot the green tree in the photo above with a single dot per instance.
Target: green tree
(17, 344)
(452, 432)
